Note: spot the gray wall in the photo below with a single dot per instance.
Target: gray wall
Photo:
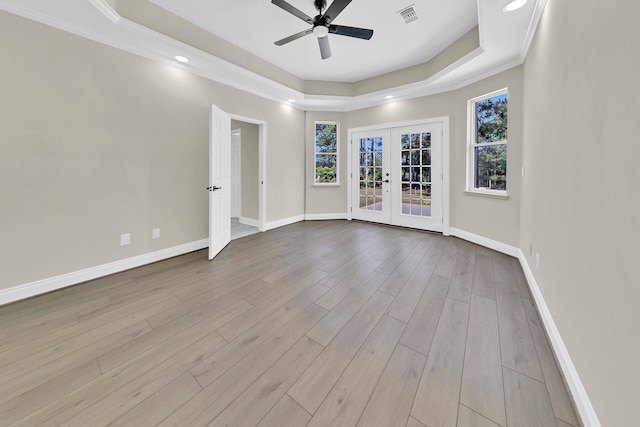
(249, 160)
(581, 196)
(97, 142)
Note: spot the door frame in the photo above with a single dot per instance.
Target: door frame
(262, 166)
(234, 133)
(445, 162)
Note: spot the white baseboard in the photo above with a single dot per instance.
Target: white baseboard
(51, 284)
(282, 222)
(327, 216)
(487, 243)
(249, 221)
(580, 398)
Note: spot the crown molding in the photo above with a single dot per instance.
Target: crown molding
(106, 9)
(533, 26)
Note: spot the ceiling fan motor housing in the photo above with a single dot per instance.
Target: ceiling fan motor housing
(320, 25)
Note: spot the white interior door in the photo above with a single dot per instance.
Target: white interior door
(397, 176)
(219, 180)
(236, 173)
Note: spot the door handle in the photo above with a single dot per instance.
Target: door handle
(386, 180)
(214, 188)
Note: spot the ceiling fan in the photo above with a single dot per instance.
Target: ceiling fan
(321, 24)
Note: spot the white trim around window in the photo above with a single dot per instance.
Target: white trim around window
(472, 145)
(326, 180)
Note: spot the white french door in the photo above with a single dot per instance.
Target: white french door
(371, 176)
(219, 180)
(397, 176)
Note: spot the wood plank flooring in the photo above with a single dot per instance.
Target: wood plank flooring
(328, 323)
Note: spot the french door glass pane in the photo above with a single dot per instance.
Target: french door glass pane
(426, 140)
(426, 157)
(415, 140)
(426, 174)
(404, 141)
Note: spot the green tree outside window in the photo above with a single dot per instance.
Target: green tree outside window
(489, 144)
(326, 153)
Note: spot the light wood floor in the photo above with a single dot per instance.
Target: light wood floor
(328, 323)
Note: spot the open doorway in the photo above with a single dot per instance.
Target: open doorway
(245, 178)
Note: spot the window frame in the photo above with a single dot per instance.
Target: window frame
(472, 145)
(337, 153)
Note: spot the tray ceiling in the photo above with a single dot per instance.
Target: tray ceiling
(451, 44)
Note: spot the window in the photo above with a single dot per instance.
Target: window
(326, 154)
(487, 156)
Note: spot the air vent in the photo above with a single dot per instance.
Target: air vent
(408, 14)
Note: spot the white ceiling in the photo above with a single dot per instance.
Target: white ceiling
(255, 24)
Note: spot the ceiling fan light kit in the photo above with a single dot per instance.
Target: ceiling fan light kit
(320, 31)
(321, 24)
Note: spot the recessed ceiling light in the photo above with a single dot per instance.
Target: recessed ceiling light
(181, 58)
(513, 5)
(292, 100)
(389, 96)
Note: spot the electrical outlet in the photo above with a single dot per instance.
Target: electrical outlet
(125, 239)
(155, 234)
(537, 261)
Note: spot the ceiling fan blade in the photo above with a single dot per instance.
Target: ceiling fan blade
(294, 37)
(359, 33)
(292, 10)
(325, 49)
(336, 7)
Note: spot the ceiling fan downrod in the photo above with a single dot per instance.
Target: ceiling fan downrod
(320, 22)
(320, 5)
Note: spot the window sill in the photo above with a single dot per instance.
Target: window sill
(326, 185)
(500, 195)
